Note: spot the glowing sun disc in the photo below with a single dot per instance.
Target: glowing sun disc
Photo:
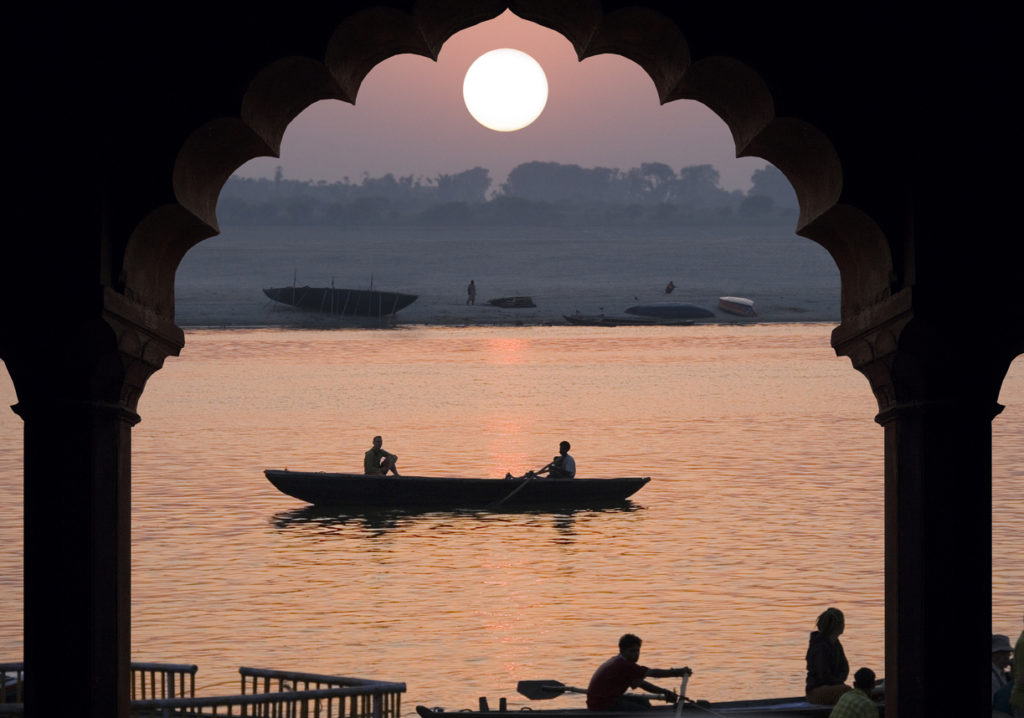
(505, 90)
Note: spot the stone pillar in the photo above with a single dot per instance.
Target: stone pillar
(937, 402)
(938, 558)
(77, 393)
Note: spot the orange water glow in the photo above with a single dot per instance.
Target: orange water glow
(765, 507)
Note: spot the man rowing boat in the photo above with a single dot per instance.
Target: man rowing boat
(610, 681)
(562, 466)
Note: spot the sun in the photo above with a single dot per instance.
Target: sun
(505, 90)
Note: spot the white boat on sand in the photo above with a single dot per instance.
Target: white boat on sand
(740, 306)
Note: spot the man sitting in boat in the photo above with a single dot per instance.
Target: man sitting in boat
(610, 681)
(378, 462)
(562, 466)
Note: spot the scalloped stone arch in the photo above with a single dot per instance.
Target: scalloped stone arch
(730, 88)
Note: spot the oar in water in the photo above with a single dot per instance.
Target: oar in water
(529, 476)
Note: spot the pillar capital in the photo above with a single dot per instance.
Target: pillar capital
(97, 359)
(144, 340)
(918, 360)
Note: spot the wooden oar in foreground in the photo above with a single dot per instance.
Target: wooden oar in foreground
(543, 690)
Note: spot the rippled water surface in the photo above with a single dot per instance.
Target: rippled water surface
(765, 507)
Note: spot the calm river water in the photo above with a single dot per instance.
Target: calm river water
(765, 507)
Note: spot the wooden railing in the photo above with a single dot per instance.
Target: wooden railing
(151, 681)
(377, 699)
(12, 676)
(166, 689)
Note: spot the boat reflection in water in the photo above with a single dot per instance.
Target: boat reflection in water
(383, 521)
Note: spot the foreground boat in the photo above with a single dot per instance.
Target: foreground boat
(367, 303)
(765, 707)
(358, 490)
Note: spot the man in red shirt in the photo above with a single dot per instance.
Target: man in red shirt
(610, 682)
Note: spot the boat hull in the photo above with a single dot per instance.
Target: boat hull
(512, 302)
(769, 707)
(358, 490)
(342, 302)
(740, 306)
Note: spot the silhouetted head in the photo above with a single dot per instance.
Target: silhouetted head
(377, 441)
(564, 447)
(628, 640)
(864, 679)
(831, 622)
(629, 647)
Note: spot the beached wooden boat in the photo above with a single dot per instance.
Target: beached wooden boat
(670, 310)
(740, 306)
(368, 303)
(762, 708)
(357, 490)
(512, 302)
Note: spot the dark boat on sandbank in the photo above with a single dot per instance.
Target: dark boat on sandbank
(512, 302)
(363, 303)
(670, 310)
(604, 320)
(444, 492)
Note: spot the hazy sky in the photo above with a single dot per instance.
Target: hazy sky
(410, 119)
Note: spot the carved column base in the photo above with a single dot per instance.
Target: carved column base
(78, 390)
(936, 393)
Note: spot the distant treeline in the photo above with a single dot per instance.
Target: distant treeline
(535, 193)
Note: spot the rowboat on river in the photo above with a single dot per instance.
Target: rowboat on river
(445, 492)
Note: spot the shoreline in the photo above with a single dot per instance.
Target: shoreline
(511, 323)
(590, 272)
(283, 317)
